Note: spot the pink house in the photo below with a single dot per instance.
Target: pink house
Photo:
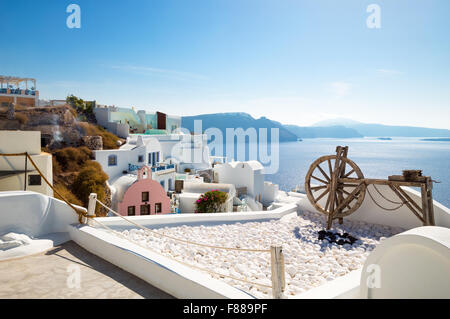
(144, 197)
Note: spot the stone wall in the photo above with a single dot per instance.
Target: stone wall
(93, 142)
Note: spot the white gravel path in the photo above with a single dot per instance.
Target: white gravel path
(309, 262)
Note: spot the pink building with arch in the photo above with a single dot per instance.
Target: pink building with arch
(144, 197)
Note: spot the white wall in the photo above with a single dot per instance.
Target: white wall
(242, 175)
(34, 214)
(20, 142)
(270, 193)
(126, 156)
(413, 264)
(166, 274)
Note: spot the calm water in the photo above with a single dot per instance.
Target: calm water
(375, 158)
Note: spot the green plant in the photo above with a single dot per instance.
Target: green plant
(211, 202)
(91, 179)
(81, 106)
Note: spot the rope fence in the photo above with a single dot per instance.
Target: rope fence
(181, 262)
(28, 157)
(277, 258)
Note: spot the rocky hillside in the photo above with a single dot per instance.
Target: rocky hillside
(70, 141)
(58, 125)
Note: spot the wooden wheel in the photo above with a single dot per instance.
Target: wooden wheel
(327, 194)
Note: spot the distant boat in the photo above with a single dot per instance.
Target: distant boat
(384, 138)
(299, 139)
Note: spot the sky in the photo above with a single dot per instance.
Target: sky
(296, 62)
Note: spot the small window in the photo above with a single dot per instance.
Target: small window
(34, 180)
(158, 208)
(145, 196)
(140, 158)
(162, 184)
(145, 209)
(131, 210)
(112, 160)
(150, 159)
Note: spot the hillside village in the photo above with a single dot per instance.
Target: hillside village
(138, 163)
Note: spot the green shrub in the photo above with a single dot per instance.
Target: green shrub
(91, 179)
(80, 105)
(211, 202)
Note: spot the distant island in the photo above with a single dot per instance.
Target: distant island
(336, 128)
(384, 138)
(444, 139)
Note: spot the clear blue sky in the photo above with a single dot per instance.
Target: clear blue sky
(297, 62)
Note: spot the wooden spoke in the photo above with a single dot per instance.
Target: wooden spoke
(349, 198)
(349, 173)
(316, 188)
(320, 180)
(323, 173)
(323, 194)
(348, 206)
(339, 202)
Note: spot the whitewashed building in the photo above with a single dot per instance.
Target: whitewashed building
(132, 156)
(16, 172)
(188, 152)
(248, 178)
(244, 175)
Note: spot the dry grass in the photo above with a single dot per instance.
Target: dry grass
(22, 118)
(71, 159)
(109, 139)
(67, 194)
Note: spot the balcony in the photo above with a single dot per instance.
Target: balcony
(163, 168)
(17, 92)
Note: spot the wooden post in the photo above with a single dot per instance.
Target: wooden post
(26, 168)
(425, 211)
(277, 265)
(91, 207)
(430, 202)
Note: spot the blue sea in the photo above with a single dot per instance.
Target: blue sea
(376, 159)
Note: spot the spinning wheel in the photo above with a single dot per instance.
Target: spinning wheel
(325, 191)
(336, 187)
(319, 184)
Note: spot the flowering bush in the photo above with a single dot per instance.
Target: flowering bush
(211, 202)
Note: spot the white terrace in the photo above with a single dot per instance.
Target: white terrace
(173, 253)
